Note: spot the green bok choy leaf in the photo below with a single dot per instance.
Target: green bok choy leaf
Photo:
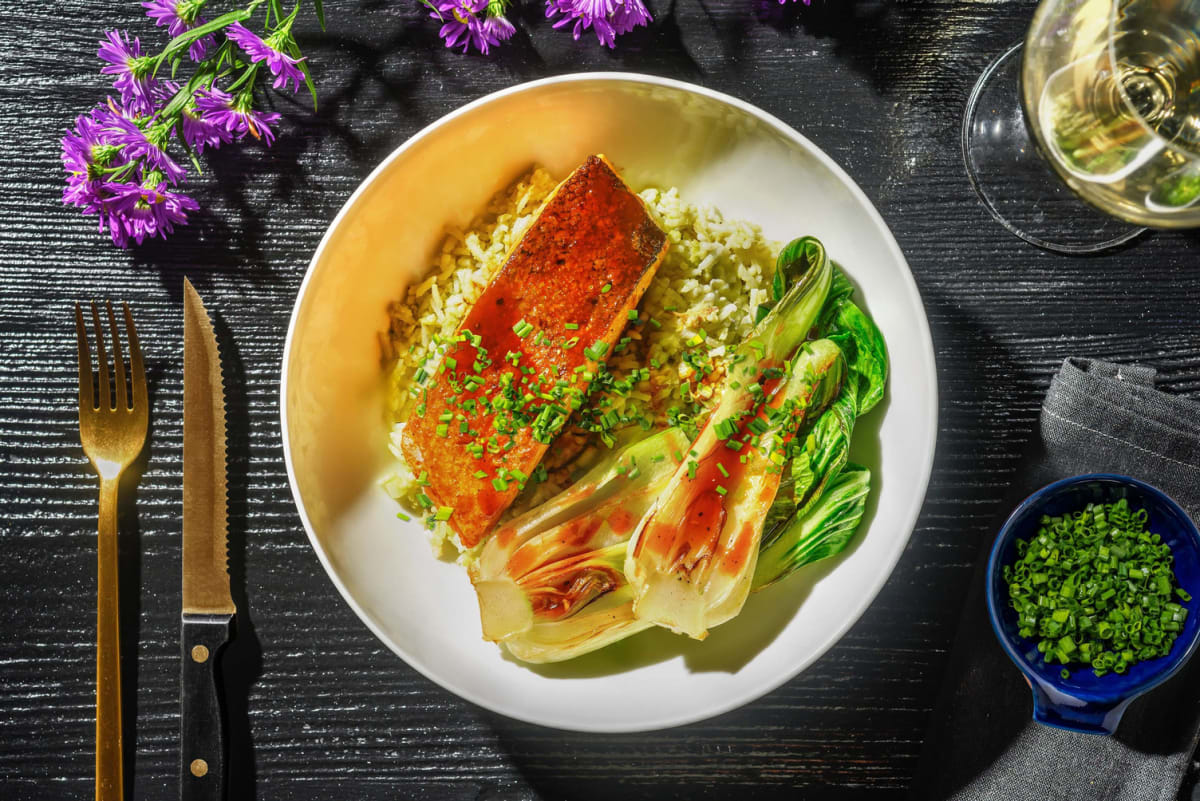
(824, 530)
(821, 460)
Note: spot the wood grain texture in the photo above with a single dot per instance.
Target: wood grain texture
(321, 710)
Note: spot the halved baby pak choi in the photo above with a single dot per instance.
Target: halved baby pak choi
(550, 583)
(692, 558)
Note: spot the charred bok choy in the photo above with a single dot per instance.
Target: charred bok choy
(667, 531)
(692, 558)
(826, 495)
(550, 583)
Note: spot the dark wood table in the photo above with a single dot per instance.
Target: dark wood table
(320, 709)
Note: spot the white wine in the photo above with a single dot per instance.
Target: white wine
(1112, 93)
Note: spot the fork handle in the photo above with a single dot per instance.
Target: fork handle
(109, 780)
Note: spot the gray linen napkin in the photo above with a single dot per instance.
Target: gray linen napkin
(982, 744)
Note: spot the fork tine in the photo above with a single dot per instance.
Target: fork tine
(118, 359)
(101, 361)
(137, 372)
(86, 401)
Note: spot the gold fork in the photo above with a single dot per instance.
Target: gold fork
(113, 433)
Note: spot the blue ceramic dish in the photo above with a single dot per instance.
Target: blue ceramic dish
(1086, 702)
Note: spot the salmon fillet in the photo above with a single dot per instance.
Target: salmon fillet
(522, 358)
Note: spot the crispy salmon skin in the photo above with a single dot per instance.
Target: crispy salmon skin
(521, 360)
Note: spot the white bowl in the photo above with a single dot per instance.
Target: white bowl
(714, 148)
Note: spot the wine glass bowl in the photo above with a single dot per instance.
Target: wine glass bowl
(1090, 129)
(1111, 92)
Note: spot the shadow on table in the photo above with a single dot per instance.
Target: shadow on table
(129, 571)
(879, 39)
(697, 763)
(241, 660)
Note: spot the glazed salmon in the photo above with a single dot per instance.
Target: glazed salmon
(522, 358)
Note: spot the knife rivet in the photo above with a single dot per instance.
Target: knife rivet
(199, 654)
(199, 767)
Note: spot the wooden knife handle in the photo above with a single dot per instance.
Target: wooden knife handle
(202, 727)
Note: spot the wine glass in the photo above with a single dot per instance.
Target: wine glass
(1107, 94)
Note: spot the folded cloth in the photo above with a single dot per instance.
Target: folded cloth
(982, 743)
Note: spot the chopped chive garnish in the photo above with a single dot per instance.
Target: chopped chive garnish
(632, 315)
(500, 484)
(722, 470)
(605, 289)
(571, 326)
(403, 516)
(443, 513)
(721, 490)
(1095, 588)
(596, 351)
(522, 328)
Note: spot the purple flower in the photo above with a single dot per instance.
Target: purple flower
(608, 19)
(145, 145)
(499, 28)
(79, 145)
(199, 131)
(234, 116)
(282, 66)
(86, 153)
(143, 209)
(180, 16)
(631, 14)
(132, 71)
(464, 21)
(108, 179)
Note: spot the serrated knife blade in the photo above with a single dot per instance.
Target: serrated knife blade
(208, 609)
(205, 572)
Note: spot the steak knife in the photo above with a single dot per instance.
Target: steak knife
(208, 610)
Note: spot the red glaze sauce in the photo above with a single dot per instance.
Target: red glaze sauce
(695, 539)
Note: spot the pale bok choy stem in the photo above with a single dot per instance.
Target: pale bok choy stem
(691, 559)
